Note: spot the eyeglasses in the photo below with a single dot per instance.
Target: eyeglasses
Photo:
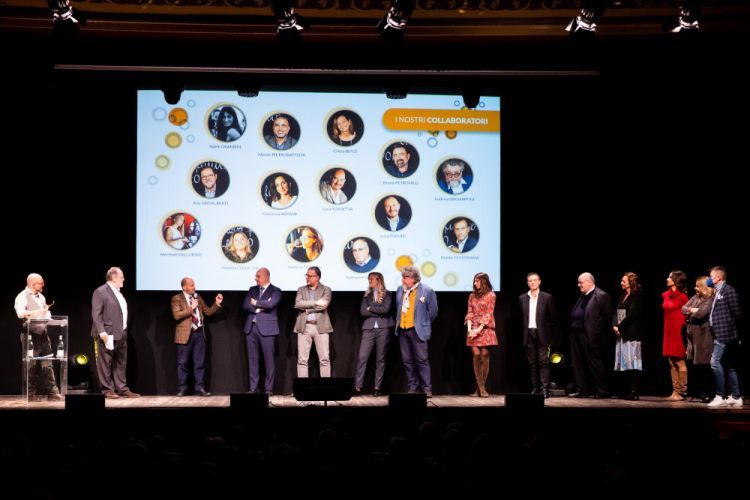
(311, 276)
(453, 175)
(209, 176)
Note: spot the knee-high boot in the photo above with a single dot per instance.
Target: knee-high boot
(675, 396)
(478, 375)
(485, 372)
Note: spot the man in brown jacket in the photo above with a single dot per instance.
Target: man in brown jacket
(189, 310)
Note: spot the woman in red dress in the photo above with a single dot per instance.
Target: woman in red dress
(673, 347)
(480, 329)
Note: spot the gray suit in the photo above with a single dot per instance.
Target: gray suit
(313, 325)
(106, 315)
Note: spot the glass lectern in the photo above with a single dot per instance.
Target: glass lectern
(45, 358)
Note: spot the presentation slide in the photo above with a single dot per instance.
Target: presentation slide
(349, 182)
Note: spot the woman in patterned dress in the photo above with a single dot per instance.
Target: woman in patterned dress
(480, 329)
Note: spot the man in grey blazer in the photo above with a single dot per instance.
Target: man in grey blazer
(416, 309)
(313, 324)
(539, 320)
(109, 313)
(261, 328)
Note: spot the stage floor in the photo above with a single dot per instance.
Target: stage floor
(15, 402)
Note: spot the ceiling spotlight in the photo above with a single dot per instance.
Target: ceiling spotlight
(64, 17)
(288, 24)
(172, 92)
(471, 98)
(393, 25)
(396, 90)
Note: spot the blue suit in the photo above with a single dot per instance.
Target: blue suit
(261, 328)
(471, 242)
(413, 341)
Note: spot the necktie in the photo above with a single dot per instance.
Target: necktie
(260, 292)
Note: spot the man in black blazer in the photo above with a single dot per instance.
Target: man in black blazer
(590, 324)
(539, 321)
(109, 313)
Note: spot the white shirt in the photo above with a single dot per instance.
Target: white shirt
(123, 305)
(393, 223)
(29, 301)
(533, 299)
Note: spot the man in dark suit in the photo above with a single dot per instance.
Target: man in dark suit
(261, 328)
(190, 311)
(539, 320)
(590, 324)
(464, 242)
(390, 219)
(109, 313)
(416, 309)
(725, 312)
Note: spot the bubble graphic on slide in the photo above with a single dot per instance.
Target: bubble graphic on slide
(391, 252)
(451, 134)
(450, 279)
(153, 180)
(159, 114)
(190, 138)
(173, 140)
(432, 142)
(191, 103)
(429, 269)
(162, 162)
(178, 116)
(433, 133)
(403, 261)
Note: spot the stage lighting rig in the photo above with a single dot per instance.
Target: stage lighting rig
(392, 26)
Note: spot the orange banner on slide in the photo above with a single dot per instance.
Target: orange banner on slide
(466, 120)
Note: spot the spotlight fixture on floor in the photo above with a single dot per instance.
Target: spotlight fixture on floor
(79, 373)
(392, 26)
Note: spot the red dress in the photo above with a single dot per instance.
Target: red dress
(482, 311)
(673, 322)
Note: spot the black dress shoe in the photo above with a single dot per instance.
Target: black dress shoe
(578, 395)
(546, 393)
(357, 391)
(253, 391)
(376, 392)
(180, 393)
(633, 396)
(202, 392)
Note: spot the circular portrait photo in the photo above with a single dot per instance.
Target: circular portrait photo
(460, 235)
(226, 122)
(240, 244)
(279, 190)
(400, 159)
(454, 176)
(337, 186)
(393, 213)
(345, 127)
(281, 131)
(210, 179)
(361, 254)
(181, 231)
(304, 244)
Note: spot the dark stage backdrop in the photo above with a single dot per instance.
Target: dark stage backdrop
(628, 173)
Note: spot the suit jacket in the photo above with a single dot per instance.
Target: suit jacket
(471, 242)
(373, 311)
(106, 313)
(305, 306)
(402, 223)
(267, 317)
(546, 317)
(597, 319)
(630, 326)
(726, 312)
(425, 310)
(183, 314)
